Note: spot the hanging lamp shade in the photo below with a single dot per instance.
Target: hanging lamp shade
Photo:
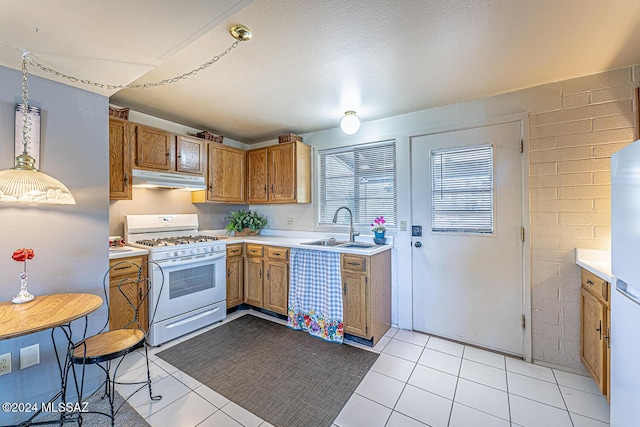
(24, 183)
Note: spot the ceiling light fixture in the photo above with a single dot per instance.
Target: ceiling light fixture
(24, 183)
(350, 123)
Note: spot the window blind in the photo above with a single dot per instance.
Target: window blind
(462, 189)
(361, 177)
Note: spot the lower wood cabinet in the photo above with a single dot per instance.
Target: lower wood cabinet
(121, 312)
(595, 328)
(366, 294)
(266, 273)
(276, 285)
(235, 275)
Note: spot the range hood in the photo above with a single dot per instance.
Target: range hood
(155, 179)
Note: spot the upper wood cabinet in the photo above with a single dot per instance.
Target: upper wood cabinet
(120, 155)
(226, 174)
(190, 154)
(279, 174)
(257, 176)
(154, 149)
(162, 151)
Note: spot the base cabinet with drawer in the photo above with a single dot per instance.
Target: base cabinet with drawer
(235, 275)
(266, 270)
(366, 293)
(595, 327)
(123, 280)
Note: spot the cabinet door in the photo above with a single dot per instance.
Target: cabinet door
(253, 280)
(276, 288)
(226, 176)
(354, 300)
(121, 312)
(235, 283)
(592, 331)
(154, 149)
(119, 160)
(282, 173)
(190, 155)
(257, 176)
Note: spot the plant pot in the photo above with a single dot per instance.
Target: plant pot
(379, 238)
(247, 232)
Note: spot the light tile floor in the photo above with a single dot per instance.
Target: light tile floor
(417, 381)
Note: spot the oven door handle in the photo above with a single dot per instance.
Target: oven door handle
(192, 260)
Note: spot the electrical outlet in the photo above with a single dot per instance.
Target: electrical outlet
(289, 222)
(5, 363)
(403, 225)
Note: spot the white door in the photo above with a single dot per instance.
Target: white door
(468, 263)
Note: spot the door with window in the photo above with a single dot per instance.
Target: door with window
(468, 263)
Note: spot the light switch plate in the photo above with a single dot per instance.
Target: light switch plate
(29, 356)
(403, 225)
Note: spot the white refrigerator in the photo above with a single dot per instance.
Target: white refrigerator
(625, 292)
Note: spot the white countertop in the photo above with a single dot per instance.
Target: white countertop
(126, 251)
(296, 239)
(290, 239)
(596, 261)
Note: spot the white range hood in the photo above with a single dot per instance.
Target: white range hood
(155, 179)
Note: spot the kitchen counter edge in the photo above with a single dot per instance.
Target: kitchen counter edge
(126, 251)
(596, 261)
(297, 242)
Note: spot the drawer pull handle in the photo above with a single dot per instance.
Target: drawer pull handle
(589, 282)
(126, 267)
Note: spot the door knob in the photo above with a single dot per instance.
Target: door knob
(418, 244)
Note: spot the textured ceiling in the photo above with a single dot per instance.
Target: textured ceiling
(311, 60)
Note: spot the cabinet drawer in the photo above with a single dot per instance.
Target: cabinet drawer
(255, 250)
(595, 285)
(234, 250)
(126, 268)
(354, 263)
(278, 253)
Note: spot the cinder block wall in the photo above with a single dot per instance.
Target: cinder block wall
(570, 151)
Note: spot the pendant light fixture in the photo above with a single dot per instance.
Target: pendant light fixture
(350, 123)
(24, 183)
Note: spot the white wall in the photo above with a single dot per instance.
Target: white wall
(70, 241)
(575, 125)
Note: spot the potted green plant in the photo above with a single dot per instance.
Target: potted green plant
(245, 222)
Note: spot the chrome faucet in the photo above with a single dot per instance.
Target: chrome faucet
(352, 234)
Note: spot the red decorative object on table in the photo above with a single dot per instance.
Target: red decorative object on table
(22, 255)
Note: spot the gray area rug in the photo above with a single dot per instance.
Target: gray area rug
(126, 416)
(285, 377)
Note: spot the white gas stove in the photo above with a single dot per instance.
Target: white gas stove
(193, 267)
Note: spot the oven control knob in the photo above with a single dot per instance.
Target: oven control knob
(194, 250)
(170, 254)
(179, 253)
(211, 248)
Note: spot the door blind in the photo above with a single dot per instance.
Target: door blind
(361, 177)
(462, 189)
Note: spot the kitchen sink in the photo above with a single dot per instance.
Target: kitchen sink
(325, 242)
(358, 245)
